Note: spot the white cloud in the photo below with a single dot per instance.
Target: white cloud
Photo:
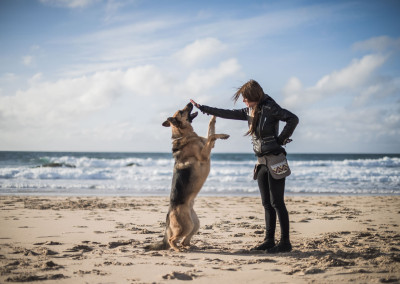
(348, 110)
(69, 109)
(200, 50)
(200, 80)
(345, 130)
(378, 89)
(46, 104)
(381, 43)
(27, 60)
(137, 43)
(112, 8)
(35, 47)
(146, 80)
(69, 3)
(8, 77)
(35, 79)
(354, 76)
(142, 39)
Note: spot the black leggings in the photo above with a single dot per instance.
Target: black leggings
(272, 196)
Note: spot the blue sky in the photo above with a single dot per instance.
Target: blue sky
(92, 75)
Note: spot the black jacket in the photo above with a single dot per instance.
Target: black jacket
(266, 138)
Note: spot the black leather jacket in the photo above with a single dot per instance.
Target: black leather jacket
(266, 138)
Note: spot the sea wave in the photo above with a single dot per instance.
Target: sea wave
(384, 162)
(150, 174)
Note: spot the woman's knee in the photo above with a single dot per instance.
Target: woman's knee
(267, 206)
(278, 205)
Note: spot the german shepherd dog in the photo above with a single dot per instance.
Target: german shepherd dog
(192, 166)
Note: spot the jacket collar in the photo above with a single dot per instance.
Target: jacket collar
(267, 99)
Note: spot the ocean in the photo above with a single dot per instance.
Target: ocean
(143, 174)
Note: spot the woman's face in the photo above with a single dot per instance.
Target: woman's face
(249, 103)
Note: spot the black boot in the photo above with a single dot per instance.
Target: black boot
(283, 246)
(267, 244)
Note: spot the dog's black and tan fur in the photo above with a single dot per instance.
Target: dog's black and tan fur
(192, 166)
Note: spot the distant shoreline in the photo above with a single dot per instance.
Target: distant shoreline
(169, 152)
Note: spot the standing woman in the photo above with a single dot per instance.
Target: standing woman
(263, 115)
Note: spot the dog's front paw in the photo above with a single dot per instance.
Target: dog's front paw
(225, 136)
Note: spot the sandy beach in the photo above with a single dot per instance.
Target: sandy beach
(336, 239)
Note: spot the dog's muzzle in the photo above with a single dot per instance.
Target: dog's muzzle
(191, 115)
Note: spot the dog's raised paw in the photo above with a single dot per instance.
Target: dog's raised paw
(225, 136)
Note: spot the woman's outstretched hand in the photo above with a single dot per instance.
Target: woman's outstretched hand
(194, 103)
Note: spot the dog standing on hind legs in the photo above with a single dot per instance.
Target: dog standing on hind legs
(192, 166)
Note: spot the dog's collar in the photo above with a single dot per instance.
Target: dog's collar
(175, 144)
(176, 139)
(179, 142)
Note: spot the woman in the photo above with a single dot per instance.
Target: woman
(263, 115)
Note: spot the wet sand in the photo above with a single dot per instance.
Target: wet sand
(336, 239)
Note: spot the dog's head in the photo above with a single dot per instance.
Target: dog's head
(181, 121)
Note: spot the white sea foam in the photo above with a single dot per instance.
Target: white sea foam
(152, 175)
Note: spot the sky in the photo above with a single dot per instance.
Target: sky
(97, 75)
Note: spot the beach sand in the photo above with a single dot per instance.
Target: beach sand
(336, 239)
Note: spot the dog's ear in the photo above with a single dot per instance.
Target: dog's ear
(166, 123)
(172, 120)
(169, 121)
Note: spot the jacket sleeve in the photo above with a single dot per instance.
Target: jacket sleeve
(291, 122)
(238, 114)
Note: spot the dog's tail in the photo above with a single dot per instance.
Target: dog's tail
(163, 244)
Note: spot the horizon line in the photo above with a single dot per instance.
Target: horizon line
(161, 152)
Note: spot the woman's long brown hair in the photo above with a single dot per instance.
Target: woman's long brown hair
(253, 92)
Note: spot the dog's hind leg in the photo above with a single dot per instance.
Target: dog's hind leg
(175, 230)
(196, 227)
(172, 242)
(180, 224)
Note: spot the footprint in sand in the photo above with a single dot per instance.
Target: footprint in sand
(313, 271)
(389, 280)
(49, 265)
(180, 275)
(48, 243)
(30, 278)
(83, 248)
(93, 271)
(119, 243)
